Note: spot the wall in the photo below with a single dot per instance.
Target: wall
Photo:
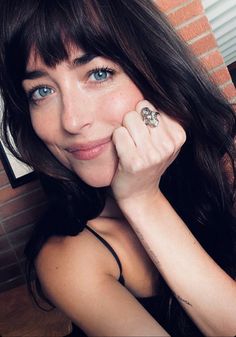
(189, 19)
(20, 207)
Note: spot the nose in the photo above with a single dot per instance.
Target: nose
(77, 113)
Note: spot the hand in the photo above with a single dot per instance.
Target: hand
(144, 153)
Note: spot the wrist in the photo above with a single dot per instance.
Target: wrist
(143, 202)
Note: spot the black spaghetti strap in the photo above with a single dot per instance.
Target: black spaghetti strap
(109, 247)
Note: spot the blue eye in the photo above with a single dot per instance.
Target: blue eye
(39, 93)
(44, 91)
(101, 74)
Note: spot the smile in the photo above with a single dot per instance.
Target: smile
(89, 150)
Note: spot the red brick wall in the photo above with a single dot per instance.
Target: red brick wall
(20, 207)
(190, 21)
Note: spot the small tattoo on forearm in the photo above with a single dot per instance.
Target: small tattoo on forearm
(147, 248)
(183, 300)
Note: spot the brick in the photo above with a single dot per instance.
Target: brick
(4, 244)
(25, 218)
(7, 257)
(186, 13)
(2, 231)
(193, 29)
(12, 283)
(229, 91)
(1, 166)
(9, 272)
(23, 262)
(212, 60)
(221, 76)
(9, 193)
(22, 203)
(166, 5)
(3, 179)
(19, 250)
(20, 236)
(203, 45)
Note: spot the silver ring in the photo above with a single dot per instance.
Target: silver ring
(150, 117)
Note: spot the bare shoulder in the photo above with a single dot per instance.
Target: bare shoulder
(73, 261)
(79, 275)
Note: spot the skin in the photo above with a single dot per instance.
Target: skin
(77, 110)
(81, 109)
(61, 121)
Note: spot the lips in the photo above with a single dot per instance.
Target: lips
(90, 150)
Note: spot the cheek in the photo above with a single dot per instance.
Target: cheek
(121, 102)
(43, 129)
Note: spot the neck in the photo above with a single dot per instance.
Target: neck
(111, 209)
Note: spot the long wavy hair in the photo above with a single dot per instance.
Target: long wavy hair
(200, 184)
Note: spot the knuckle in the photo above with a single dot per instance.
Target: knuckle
(128, 117)
(136, 166)
(153, 157)
(118, 132)
(169, 148)
(180, 137)
(130, 114)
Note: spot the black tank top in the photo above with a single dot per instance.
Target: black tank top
(152, 304)
(149, 303)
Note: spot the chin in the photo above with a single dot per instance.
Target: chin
(97, 173)
(98, 181)
(102, 176)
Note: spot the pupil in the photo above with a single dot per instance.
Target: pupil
(43, 91)
(100, 74)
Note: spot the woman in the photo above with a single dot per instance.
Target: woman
(136, 147)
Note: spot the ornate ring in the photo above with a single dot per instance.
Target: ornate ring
(150, 117)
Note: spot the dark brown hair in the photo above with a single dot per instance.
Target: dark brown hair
(136, 35)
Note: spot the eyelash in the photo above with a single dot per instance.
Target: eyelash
(108, 70)
(32, 91)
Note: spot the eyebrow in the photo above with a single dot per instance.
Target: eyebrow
(78, 61)
(84, 59)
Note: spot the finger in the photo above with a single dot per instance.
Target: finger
(168, 131)
(174, 133)
(157, 133)
(125, 146)
(137, 129)
(149, 114)
(162, 140)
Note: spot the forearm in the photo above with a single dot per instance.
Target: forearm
(206, 292)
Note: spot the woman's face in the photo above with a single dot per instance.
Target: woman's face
(76, 106)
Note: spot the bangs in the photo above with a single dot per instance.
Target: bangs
(53, 27)
(49, 29)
